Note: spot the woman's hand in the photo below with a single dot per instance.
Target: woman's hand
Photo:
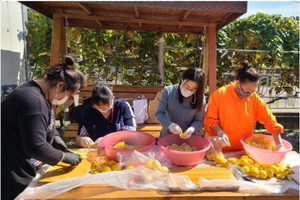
(71, 158)
(59, 144)
(224, 137)
(188, 133)
(279, 147)
(85, 142)
(174, 128)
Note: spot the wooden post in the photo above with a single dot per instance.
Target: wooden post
(210, 59)
(58, 43)
(161, 59)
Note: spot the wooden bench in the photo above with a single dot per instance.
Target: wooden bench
(153, 129)
(125, 92)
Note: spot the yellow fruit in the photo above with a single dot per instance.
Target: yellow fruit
(245, 156)
(106, 169)
(243, 161)
(130, 167)
(246, 169)
(262, 174)
(209, 155)
(269, 173)
(256, 165)
(164, 169)
(232, 160)
(250, 161)
(221, 161)
(153, 164)
(274, 169)
(156, 165)
(259, 164)
(254, 171)
(280, 169)
(149, 163)
(183, 134)
(281, 176)
(116, 167)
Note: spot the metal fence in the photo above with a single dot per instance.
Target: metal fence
(268, 82)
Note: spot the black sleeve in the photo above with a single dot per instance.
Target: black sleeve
(34, 128)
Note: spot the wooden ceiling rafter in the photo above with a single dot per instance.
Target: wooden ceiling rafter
(88, 10)
(185, 16)
(147, 16)
(134, 20)
(137, 14)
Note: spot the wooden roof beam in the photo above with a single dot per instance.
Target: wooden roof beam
(137, 14)
(88, 10)
(185, 15)
(145, 21)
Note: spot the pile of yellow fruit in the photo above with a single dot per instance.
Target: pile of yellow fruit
(251, 167)
(102, 164)
(182, 147)
(261, 170)
(156, 165)
(123, 145)
(261, 142)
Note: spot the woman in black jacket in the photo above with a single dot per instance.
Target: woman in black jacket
(28, 134)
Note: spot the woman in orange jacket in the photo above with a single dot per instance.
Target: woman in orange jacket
(233, 110)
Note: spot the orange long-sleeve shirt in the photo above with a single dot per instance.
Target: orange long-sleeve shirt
(237, 117)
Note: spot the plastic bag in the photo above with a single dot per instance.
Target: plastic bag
(140, 110)
(215, 150)
(137, 178)
(137, 158)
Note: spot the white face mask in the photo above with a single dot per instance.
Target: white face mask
(185, 92)
(61, 101)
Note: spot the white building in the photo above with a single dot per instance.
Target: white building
(15, 69)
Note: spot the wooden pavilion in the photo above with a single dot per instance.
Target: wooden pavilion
(148, 16)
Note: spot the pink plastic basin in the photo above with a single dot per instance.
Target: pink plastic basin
(145, 140)
(182, 158)
(263, 155)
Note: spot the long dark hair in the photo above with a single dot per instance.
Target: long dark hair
(197, 75)
(246, 73)
(73, 78)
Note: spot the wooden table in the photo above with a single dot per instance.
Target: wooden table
(107, 192)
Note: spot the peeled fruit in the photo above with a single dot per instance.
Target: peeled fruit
(156, 165)
(130, 167)
(149, 163)
(106, 169)
(164, 169)
(182, 147)
(116, 167)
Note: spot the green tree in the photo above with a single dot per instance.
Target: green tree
(273, 33)
(131, 56)
(39, 41)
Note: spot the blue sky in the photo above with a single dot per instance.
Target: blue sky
(285, 8)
